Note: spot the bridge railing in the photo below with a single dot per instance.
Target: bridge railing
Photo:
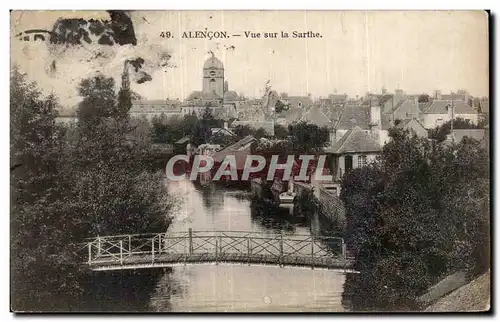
(124, 248)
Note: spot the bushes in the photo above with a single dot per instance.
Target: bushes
(410, 220)
(306, 204)
(95, 180)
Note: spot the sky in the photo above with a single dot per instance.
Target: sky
(359, 52)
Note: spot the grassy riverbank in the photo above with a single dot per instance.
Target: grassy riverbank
(471, 297)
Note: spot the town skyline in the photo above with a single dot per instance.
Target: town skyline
(359, 52)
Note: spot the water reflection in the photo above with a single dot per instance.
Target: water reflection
(237, 288)
(210, 287)
(121, 291)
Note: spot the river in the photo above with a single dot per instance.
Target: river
(227, 287)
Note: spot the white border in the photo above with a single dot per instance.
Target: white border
(191, 5)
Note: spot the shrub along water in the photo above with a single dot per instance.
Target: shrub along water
(418, 214)
(68, 183)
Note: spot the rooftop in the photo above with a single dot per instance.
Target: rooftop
(354, 115)
(355, 140)
(476, 134)
(213, 62)
(315, 116)
(440, 107)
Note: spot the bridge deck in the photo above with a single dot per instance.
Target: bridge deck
(165, 260)
(162, 250)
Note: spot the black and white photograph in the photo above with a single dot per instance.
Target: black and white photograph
(250, 161)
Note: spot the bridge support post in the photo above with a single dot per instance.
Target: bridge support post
(249, 250)
(121, 252)
(129, 245)
(190, 241)
(344, 255)
(153, 250)
(281, 249)
(159, 244)
(90, 253)
(216, 252)
(312, 252)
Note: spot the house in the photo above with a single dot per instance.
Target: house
(151, 108)
(351, 116)
(405, 109)
(181, 145)
(317, 117)
(240, 150)
(440, 112)
(249, 111)
(413, 126)
(290, 116)
(222, 131)
(222, 136)
(225, 112)
(355, 149)
(484, 105)
(302, 102)
(458, 135)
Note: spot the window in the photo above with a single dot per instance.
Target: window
(348, 163)
(361, 161)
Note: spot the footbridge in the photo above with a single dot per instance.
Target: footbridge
(181, 248)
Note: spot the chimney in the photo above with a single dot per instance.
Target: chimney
(398, 96)
(418, 109)
(375, 119)
(450, 107)
(333, 136)
(437, 94)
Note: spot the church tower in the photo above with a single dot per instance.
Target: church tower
(213, 77)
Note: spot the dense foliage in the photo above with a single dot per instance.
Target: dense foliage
(419, 213)
(170, 130)
(301, 138)
(68, 183)
(439, 133)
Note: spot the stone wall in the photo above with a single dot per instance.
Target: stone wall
(333, 207)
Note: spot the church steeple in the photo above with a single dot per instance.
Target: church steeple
(213, 77)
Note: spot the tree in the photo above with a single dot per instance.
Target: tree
(424, 98)
(124, 103)
(97, 181)
(202, 131)
(43, 265)
(115, 189)
(411, 221)
(308, 138)
(242, 130)
(280, 132)
(280, 106)
(440, 133)
(99, 102)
